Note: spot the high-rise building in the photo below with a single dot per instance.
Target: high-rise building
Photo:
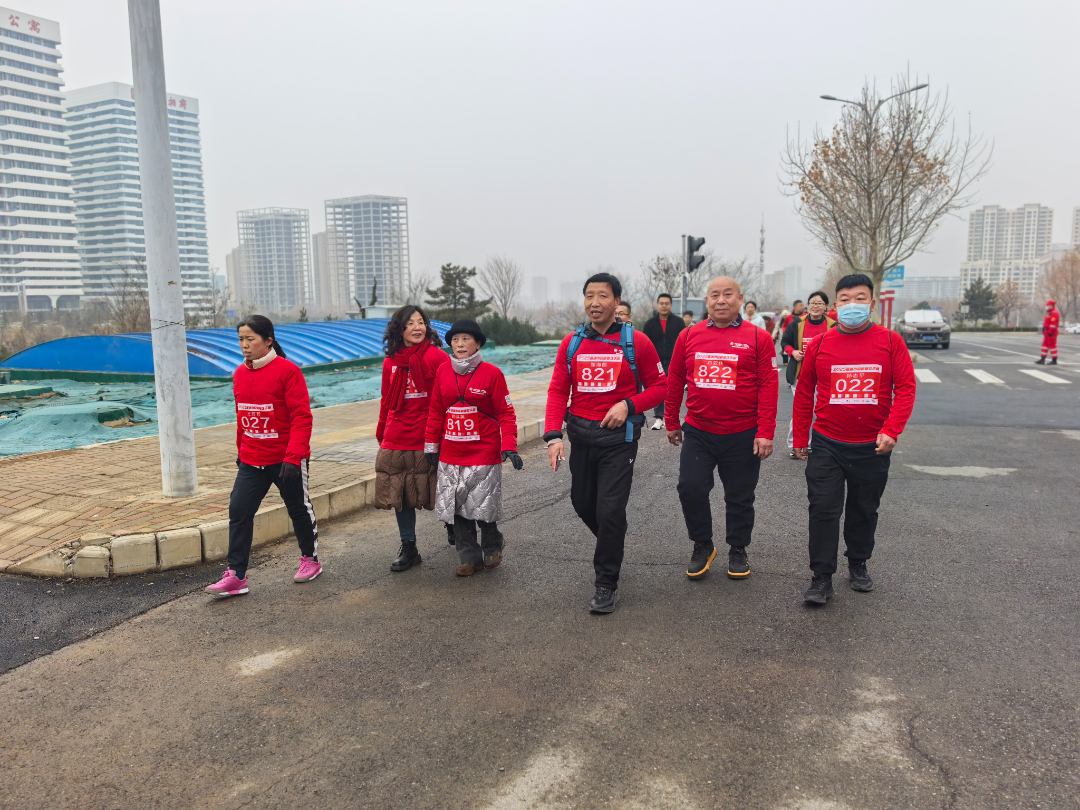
(320, 272)
(930, 288)
(39, 265)
(1075, 239)
(569, 291)
(539, 290)
(1005, 245)
(108, 195)
(275, 268)
(367, 246)
(232, 274)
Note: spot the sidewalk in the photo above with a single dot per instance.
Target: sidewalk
(99, 510)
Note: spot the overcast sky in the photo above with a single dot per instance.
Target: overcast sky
(573, 134)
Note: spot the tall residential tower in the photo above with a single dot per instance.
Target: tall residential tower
(367, 244)
(1005, 245)
(274, 258)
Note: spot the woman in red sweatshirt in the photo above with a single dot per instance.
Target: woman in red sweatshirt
(404, 481)
(471, 431)
(273, 446)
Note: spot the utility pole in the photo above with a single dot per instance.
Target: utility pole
(176, 433)
(761, 261)
(685, 275)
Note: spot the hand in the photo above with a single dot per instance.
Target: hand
(616, 416)
(885, 444)
(763, 448)
(515, 459)
(797, 355)
(801, 453)
(555, 454)
(432, 459)
(289, 473)
(675, 437)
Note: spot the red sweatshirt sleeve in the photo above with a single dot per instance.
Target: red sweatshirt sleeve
(903, 378)
(300, 421)
(802, 410)
(559, 390)
(384, 407)
(436, 421)
(676, 380)
(651, 372)
(504, 412)
(768, 388)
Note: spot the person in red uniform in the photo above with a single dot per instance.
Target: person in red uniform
(729, 369)
(273, 446)
(404, 480)
(603, 393)
(864, 384)
(1051, 326)
(471, 431)
(797, 337)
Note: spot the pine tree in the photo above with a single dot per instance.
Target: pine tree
(455, 298)
(981, 301)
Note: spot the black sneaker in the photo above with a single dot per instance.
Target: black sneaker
(820, 590)
(1041, 361)
(407, 557)
(603, 601)
(860, 577)
(1053, 361)
(792, 455)
(737, 565)
(701, 559)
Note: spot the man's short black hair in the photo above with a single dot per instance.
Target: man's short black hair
(604, 278)
(688, 312)
(855, 280)
(626, 304)
(748, 303)
(818, 294)
(796, 301)
(663, 295)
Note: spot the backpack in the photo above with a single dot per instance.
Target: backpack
(626, 341)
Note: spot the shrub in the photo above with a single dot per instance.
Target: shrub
(510, 331)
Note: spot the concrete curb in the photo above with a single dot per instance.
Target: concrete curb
(98, 555)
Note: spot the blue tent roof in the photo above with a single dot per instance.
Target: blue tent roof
(211, 352)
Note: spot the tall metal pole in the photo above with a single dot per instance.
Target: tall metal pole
(685, 273)
(176, 434)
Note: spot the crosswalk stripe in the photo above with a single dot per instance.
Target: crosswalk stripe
(983, 377)
(925, 375)
(1042, 375)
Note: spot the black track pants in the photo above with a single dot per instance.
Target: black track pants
(468, 549)
(831, 465)
(251, 486)
(601, 478)
(733, 458)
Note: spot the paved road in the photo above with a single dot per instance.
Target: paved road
(953, 685)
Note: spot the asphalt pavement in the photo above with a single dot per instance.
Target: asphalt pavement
(953, 685)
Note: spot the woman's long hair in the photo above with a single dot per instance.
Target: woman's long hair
(264, 328)
(394, 338)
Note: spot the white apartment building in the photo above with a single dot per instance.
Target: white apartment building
(1075, 232)
(108, 196)
(320, 272)
(39, 266)
(929, 288)
(275, 258)
(367, 243)
(539, 290)
(1005, 245)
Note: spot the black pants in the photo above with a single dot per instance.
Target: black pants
(831, 465)
(733, 458)
(601, 478)
(469, 551)
(251, 486)
(658, 411)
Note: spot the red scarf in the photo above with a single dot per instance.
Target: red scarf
(409, 361)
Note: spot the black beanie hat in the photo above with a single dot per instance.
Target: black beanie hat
(467, 327)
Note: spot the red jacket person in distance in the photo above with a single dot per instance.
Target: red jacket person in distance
(864, 384)
(607, 402)
(273, 446)
(729, 369)
(1051, 326)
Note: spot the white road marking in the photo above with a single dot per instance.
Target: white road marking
(983, 377)
(1042, 375)
(261, 663)
(969, 356)
(993, 349)
(964, 472)
(1068, 434)
(925, 375)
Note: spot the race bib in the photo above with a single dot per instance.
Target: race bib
(597, 373)
(257, 421)
(411, 391)
(462, 424)
(806, 342)
(715, 370)
(855, 385)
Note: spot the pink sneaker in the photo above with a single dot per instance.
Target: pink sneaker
(308, 570)
(229, 585)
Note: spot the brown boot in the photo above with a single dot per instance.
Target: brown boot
(492, 560)
(468, 569)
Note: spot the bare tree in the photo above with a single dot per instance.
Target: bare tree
(501, 278)
(874, 190)
(1010, 300)
(416, 289)
(127, 301)
(664, 274)
(1061, 282)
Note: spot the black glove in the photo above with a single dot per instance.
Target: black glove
(289, 473)
(451, 538)
(515, 459)
(238, 462)
(432, 459)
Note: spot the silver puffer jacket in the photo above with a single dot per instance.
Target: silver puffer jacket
(472, 492)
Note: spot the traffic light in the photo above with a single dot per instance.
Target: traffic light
(693, 245)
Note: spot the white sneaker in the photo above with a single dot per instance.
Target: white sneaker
(658, 424)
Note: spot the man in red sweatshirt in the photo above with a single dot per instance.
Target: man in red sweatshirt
(604, 393)
(865, 387)
(729, 369)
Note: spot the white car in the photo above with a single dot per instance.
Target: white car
(924, 327)
(1073, 329)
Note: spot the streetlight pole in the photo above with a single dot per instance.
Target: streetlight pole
(176, 434)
